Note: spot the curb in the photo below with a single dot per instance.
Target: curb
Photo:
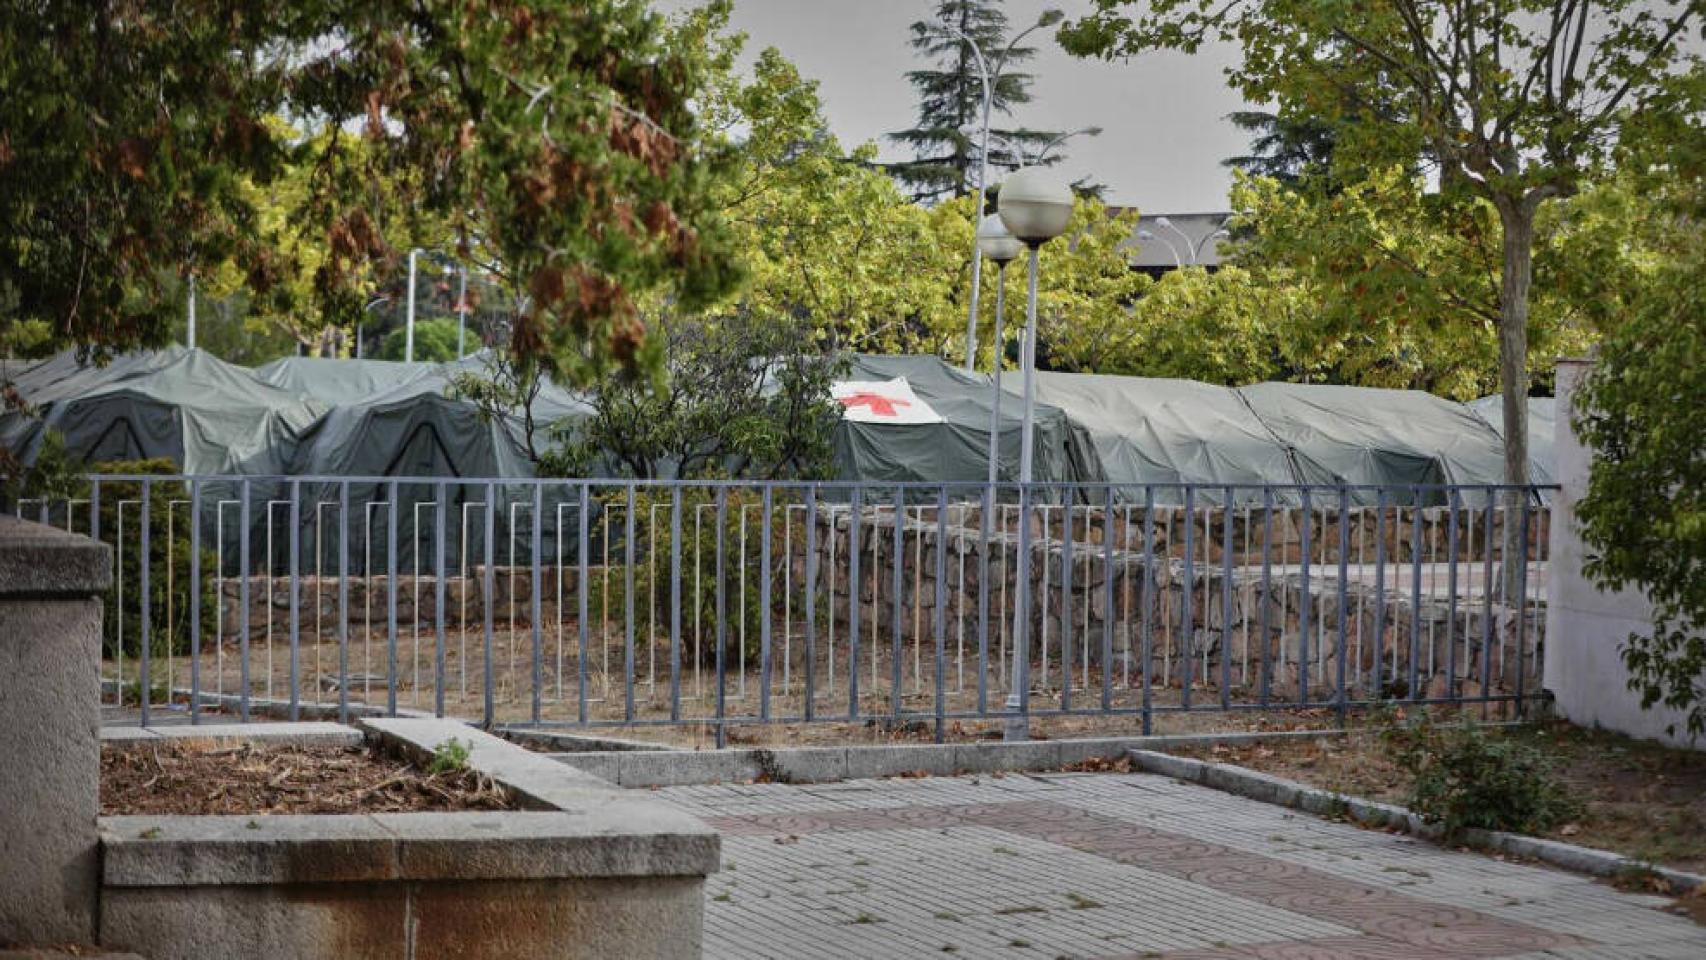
(1298, 796)
(681, 768)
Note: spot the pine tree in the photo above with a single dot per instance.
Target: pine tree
(1287, 149)
(945, 140)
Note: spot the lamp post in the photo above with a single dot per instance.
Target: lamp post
(461, 312)
(1048, 19)
(1194, 246)
(1035, 208)
(409, 334)
(190, 320)
(1178, 262)
(1000, 246)
(366, 309)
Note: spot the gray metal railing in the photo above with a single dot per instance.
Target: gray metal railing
(595, 603)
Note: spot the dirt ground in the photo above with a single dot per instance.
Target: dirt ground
(511, 664)
(1642, 800)
(205, 778)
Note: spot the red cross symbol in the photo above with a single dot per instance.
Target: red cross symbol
(880, 405)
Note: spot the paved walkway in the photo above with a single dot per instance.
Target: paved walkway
(1114, 865)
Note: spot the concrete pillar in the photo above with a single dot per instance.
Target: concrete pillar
(50, 717)
(1585, 625)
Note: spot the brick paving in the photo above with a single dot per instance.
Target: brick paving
(1127, 866)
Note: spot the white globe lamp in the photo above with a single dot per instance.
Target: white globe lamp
(996, 242)
(1035, 205)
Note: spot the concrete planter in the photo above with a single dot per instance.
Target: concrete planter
(585, 871)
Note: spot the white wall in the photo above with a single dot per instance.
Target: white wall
(1585, 626)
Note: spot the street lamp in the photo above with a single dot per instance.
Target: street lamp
(994, 242)
(1035, 208)
(1178, 262)
(366, 309)
(1194, 246)
(1048, 19)
(409, 334)
(462, 312)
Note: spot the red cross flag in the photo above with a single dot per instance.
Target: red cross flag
(882, 401)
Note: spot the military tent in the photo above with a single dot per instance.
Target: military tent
(1141, 430)
(1375, 437)
(951, 442)
(337, 382)
(1542, 427)
(186, 405)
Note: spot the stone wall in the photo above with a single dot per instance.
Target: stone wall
(585, 871)
(1221, 620)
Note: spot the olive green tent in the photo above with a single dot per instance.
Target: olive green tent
(185, 405)
(1542, 426)
(955, 447)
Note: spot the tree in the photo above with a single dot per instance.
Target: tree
(435, 341)
(558, 134)
(740, 398)
(1643, 516)
(823, 235)
(1288, 149)
(1516, 102)
(950, 108)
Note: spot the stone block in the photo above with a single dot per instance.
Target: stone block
(50, 640)
(156, 851)
(567, 919)
(998, 756)
(812, 764)
(886, 761)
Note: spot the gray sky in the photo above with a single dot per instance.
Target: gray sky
(1162, 115)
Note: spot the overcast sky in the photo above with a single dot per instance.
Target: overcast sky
(1162, 115)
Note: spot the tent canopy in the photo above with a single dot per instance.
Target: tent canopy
(1159, 431)
(1364, 435)
(1542, 431)
(955, 450)
(337, 382)
(206, 415)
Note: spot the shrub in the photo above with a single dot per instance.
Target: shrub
(1464, 779)
(169, 560)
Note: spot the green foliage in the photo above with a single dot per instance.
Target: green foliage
(1514, 103)
(1464, 779)
(1643, 515)
(169, 545)
(435, 342)
(742, 579)
(742, 397)
(825, 237)
(557, 140)
(950, 99)
(451, 756)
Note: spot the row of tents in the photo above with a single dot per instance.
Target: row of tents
(317, 417)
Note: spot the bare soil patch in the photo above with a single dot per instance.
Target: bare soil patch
(1641, 799)
(207, 778)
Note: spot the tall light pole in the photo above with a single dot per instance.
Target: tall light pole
(190, 333)
(1194, 246)
(462, 312)
(1035, 208)
(994, 242)
(1178, 261)
(365, 310)
(988, 78)
(409, 334)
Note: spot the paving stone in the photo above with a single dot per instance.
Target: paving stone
(1125, 865)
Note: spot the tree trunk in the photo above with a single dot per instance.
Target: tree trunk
(1517, 218)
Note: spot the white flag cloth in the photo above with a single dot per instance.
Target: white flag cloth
(882, 401)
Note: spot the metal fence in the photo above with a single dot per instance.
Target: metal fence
(597, 603)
